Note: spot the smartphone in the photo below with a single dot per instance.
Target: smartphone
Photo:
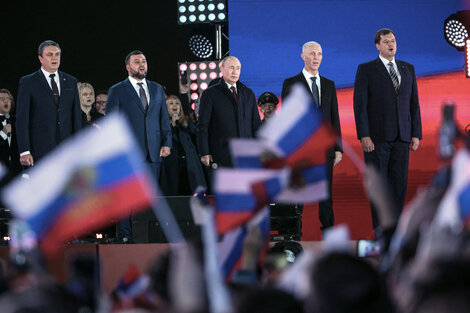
(368, 248)
(184, 77)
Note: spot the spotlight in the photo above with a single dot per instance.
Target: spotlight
(467, 58)
(456, 29)
(204, 11)
(200, 75)
(200, 46)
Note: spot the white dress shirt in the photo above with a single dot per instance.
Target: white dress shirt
(137, 88)
(307, 76)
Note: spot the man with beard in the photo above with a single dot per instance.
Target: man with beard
(143, 103)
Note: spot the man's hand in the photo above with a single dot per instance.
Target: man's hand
(338, 157)
(206, 159)
(7, 129)
(164, 151)
(367, 144)
(414, 144)
(27, 160)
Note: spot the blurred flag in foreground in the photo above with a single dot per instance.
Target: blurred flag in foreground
(231, 246)
(298, 134)
(87, 182)
(454, 209)
(240, 193)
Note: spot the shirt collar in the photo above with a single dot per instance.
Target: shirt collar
(135, 81)
(307, 75)
(46, 73)
(385, 61)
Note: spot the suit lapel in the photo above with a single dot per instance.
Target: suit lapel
(133, 94)
(384, 72)
(325, 94)
(43, 82)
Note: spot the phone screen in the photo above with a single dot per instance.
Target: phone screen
(368, 248)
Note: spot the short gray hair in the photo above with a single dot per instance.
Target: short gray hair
(46, 44)
(230, 57)
(309, 43)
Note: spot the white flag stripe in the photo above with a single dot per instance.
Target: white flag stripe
(53, 172)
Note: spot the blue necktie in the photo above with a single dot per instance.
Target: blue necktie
(315, 91)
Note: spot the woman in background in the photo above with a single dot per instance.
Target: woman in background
(181, 171)
(87, 99)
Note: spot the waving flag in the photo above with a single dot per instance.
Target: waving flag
(231, 246)
(240, 193)
(87, 182)
(299, 134)
(454, 209)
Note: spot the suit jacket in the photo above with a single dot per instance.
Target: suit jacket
(152, 129)
(9, 155)
(41, 122)
(379, 111)
(328, 101)
(222, 118)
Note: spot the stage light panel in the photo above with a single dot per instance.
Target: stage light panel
(200, 75)
(456, 29)
(201, 11)
(467, 58)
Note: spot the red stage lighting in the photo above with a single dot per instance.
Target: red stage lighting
(200, 76)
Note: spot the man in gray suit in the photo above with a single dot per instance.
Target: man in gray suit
(142, 102)
(387, 114)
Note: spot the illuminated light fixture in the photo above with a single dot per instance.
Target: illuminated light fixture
(200, 46)
(201, 11)
(456, 29)
(6, 238)
(467, 58)
(99, 236)
(200, 75)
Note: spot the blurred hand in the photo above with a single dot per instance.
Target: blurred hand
(7, 129)
(338, 157)
(414, 144)
(367, 144)
(184, 88)
(164, 151)
(206, 159)
(174, 118)
(27, 160)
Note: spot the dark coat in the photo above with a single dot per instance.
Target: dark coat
(380, 112)
(170, 171)
(94, 116)
(222, 118)
(152, 130)
(42, 123)
(9, 155)
(329, 102)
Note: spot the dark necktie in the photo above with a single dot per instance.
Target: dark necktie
(315, 91)
(55, 90)
(234, 93)
(394, 76)
(143, 96)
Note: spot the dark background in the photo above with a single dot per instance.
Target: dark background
(95, 37)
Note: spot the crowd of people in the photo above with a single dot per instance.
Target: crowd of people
(420, 268)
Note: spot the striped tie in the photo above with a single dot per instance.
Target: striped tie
(394, 76)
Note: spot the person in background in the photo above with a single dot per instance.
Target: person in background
(181, 171)
(87, 96)
(8, 146)
(268, 104)
(100, 101)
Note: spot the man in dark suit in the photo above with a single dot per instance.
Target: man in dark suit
(48, 106)
(8, 144)
(323, 93)
(387, 114)
(227, 110)
(142, 102)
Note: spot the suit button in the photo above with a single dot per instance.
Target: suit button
(58, 123)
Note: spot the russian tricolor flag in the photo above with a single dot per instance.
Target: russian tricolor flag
(89, 181)
(240, 193)
(231, 246)
(299, 133)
